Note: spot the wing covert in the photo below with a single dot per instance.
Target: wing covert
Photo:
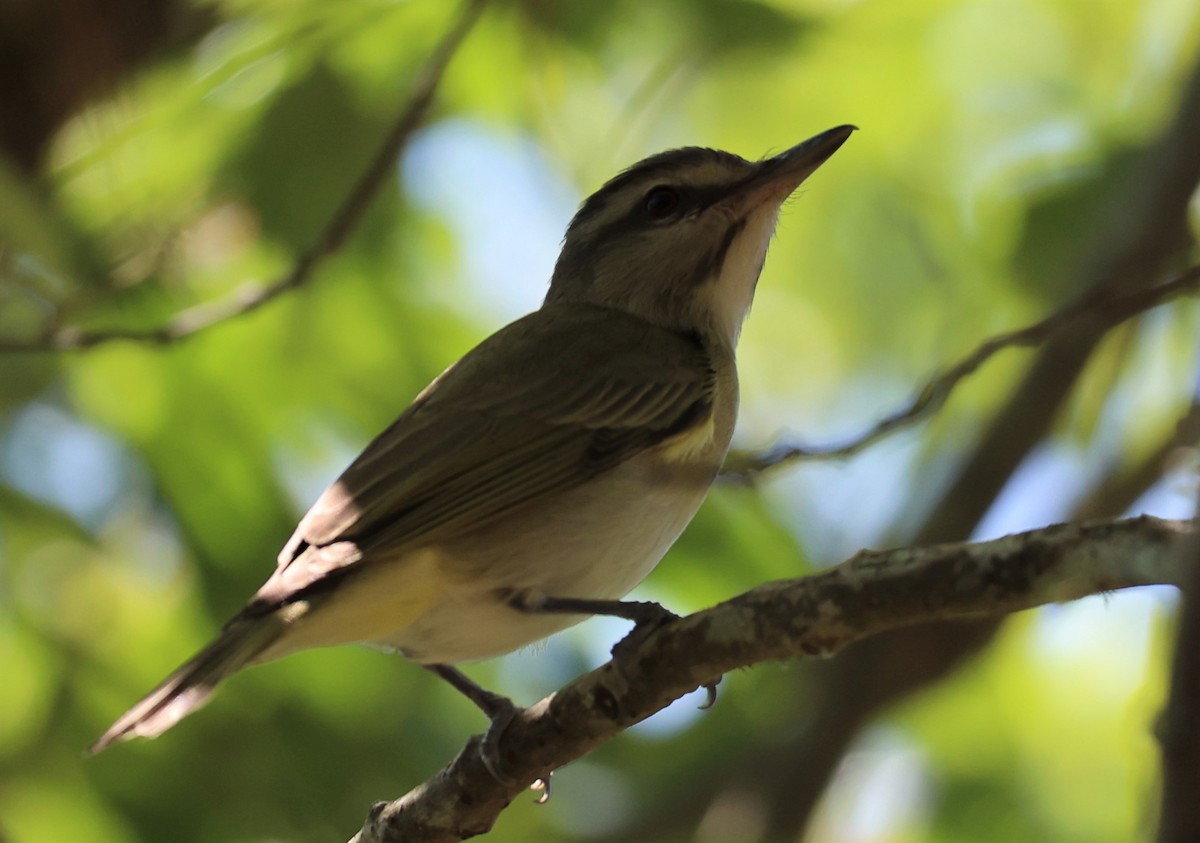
(541, 406)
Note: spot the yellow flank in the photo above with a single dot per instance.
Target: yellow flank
(691, 444)
(380, 600)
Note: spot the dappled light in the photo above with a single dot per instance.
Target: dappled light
(202, 323)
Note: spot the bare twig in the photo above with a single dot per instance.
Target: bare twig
(819, 614)
(1121, 489)
(341, 224)
(746, 467)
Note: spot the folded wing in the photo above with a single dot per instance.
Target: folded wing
(506, 425)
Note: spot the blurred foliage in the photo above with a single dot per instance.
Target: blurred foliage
(145, 491)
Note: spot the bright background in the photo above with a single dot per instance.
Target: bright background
(144, 491)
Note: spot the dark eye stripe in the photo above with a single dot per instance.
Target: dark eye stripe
(664, 167)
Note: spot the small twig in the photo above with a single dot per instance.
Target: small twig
(745, 467)
(819, 614)
(340, 226)
(1121, 489)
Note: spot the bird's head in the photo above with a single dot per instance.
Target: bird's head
(679, 239)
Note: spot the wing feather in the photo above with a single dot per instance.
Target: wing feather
(543, 405)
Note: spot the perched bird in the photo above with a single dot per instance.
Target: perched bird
(541, 477)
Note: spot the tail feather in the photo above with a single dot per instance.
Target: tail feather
(189, 687)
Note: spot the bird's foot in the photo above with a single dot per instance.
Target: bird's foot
(489, 746)
(646, 616)
(500, 710)
(542, 787)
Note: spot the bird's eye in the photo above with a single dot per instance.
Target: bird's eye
(661, 202)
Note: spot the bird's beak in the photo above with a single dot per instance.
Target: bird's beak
(778, 176)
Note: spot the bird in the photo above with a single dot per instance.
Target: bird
(541, 477)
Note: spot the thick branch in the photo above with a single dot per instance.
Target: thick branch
(872, 592)
(344, 220)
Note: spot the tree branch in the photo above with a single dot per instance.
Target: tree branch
(1103, 312)
(341, 224)
(819, 614)
(1121, 489)
(1141, 233)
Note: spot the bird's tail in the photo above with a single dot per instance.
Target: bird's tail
(191, 685)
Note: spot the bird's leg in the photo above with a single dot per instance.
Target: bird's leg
(498, 708)
(646, 616)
